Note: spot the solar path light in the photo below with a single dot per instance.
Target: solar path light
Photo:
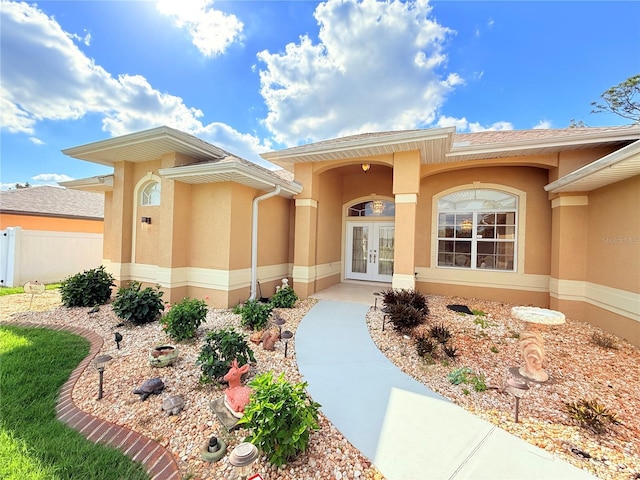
(100, 363)
(517, 387)
(242, 458)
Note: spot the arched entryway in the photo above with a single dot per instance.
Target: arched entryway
(370, 240)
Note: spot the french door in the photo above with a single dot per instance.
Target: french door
(369, 251)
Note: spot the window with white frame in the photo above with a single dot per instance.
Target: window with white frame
(477, 230)
(150, 194)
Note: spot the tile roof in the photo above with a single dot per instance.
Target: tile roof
(53, 201)
(489, 137)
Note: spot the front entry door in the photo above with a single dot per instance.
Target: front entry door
(369, 251)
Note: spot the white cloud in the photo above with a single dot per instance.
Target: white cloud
(75, 86)
(376, 67)
(543, 125)
(463, 125)
(212, 31)
(36, 140)
(50, 179)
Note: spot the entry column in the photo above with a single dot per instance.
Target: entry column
(305, 239)
(406, 185)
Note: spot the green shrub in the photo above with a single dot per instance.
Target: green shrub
(406, 309)
(87, 289)
(220, 348)
(255, 314)
(138, 306)
(281, 417)
(284, 298)
(183, 319)
(591, 415)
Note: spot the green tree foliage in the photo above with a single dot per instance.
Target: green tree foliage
(622, 99)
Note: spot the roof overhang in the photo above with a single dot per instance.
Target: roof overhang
(432, 143)
(144, 146)
(232, 170)
(615, 167)
(580, 140)
(99, 184)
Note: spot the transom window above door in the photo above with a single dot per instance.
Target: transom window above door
(373, 208)
(477, 230)
(150, 194)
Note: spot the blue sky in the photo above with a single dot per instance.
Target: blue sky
(255, 76)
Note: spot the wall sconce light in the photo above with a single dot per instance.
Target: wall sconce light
(365, 167)
(242, 457)
(146, 220)
(517, 387)
(100, 363)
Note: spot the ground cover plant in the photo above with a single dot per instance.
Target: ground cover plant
(33, 443)
(15, 290)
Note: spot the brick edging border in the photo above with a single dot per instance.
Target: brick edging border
(156, 459)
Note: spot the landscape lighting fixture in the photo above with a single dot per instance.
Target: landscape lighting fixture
(517, 387)
(100, 363)
(242, 457)
(286, 336)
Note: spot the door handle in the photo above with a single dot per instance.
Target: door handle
(369, 256)
(374, 256)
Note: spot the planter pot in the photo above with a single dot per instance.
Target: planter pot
(163, 355)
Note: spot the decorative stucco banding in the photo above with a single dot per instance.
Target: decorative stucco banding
(484, 278)
(407, 198)
(572, 201)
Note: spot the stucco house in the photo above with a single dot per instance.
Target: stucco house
(538, 217)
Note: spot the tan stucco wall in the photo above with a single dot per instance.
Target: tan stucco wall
(329, 218)
(613, 236)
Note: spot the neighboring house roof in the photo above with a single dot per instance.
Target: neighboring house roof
(214, 164)
(51, 201)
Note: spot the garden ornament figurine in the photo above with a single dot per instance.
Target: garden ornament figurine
(236, 397)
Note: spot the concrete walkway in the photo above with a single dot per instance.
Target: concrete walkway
(405, 429)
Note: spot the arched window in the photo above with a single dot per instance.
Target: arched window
(150, 194)
(373, 208)
(477, 230)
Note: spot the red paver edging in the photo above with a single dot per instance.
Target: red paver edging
(157, 460)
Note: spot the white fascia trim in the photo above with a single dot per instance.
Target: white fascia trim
(403, 281)
(100, 183)
(145, 136)
(573, 201)
(605, 162)
(536, 143)
(214, 279)
(231, 166)
(345, 145)
(484, 278)
(620, 302)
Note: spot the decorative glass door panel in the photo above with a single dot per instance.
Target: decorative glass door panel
(369, 251)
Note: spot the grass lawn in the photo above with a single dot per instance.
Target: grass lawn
(12, 290)
(34, 364)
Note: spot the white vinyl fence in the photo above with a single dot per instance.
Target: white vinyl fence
(48, 257)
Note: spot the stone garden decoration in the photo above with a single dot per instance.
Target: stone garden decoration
(149, 387)
(531, 343)
(236, 397)
(173, 405)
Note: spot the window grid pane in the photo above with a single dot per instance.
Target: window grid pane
(490, 234)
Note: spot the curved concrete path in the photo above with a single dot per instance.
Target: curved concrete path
(405, 429)
(157, 460)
